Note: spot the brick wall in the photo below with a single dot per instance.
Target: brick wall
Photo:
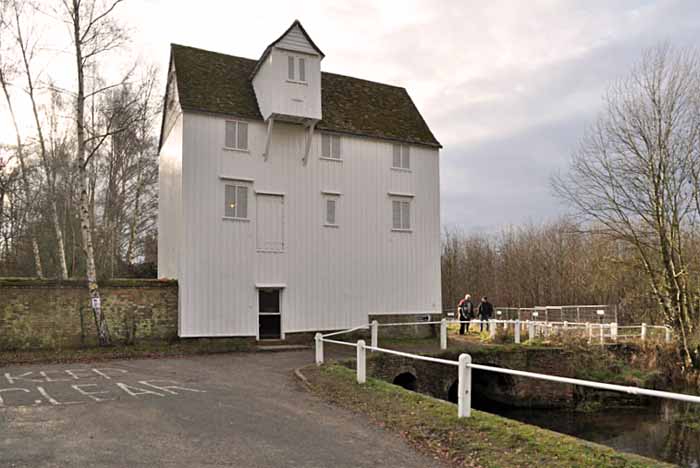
(53, 314)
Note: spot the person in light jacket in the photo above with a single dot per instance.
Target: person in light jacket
(466, 313)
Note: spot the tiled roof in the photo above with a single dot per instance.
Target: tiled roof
(213, 82)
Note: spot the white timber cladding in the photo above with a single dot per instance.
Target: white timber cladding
(334, 278)
(295, 40)
(170, 219)
(288, 83)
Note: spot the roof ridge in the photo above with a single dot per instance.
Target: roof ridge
(172, 44)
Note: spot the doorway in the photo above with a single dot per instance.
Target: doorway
(269, 314)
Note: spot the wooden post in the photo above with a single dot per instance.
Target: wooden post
(644, 332)
(443, 334)
(361, 362)
(464, 376)
(375, 334)
(530, 330)
(319, 349)
(492, 328)
(668, 334)
(516, 331)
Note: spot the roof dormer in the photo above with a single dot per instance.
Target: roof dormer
(287, 78)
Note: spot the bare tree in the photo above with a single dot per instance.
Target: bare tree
(26, 51)
(635, 174)
(5, 70)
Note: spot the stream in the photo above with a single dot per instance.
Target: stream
(668, 430)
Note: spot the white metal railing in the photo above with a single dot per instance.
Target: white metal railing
(465, 364)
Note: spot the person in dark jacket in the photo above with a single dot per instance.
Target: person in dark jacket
(485, 312)
(466, 313)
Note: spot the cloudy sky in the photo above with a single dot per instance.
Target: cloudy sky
(506, 86)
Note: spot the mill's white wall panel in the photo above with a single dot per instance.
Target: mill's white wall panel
(334, 277)
(170, 202)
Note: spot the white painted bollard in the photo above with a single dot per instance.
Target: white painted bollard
(361, 362)
(443, 334)
(464, 376)
(492, 329)
(516, 331)
(319, 349)
(644, 332)
(613, 331)
(375, 334)
(668, 334)
(530, 330)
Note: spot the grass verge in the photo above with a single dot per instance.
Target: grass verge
(136, 351)
(484, 440)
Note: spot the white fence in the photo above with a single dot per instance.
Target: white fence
(570, 313)
(465, 364)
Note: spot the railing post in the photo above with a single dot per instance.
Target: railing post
(375, 334)
(602, 333)
(668, 334)
(492, 328)
(530, 330)
(464, 376)
(613, 331)
(516, 331)
(566, 324)
(589, 331)
(361, 362)
(319, 349)
(443, 334)
(644, 332)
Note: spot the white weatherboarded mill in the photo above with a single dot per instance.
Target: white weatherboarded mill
(293, 200)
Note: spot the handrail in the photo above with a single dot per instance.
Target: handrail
(346, 343)
(350, 330)
(413, 356)
(590, 383)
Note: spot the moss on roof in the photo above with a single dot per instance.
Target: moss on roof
(213, 82)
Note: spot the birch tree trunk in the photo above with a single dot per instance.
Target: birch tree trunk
(103, 335)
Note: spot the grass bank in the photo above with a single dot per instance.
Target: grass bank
(186, 347)
(484, 440)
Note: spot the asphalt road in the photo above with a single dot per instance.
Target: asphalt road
(240, 410)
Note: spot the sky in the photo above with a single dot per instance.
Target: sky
(507, 86)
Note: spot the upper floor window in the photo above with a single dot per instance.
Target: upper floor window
(330, 146)
(236, 135)
(402, 157)
(296, 69)
(236, 201)
(401, 215)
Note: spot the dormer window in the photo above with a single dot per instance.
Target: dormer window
(296, 69)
